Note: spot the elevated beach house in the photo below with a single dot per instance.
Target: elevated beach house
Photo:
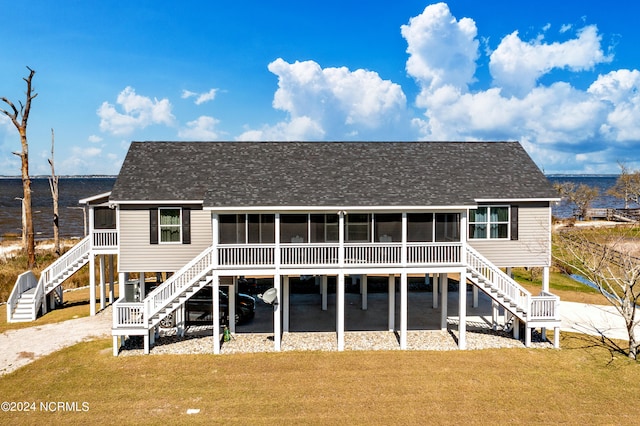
(211, 213)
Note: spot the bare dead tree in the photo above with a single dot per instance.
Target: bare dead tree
(581, 195)
(53, 186)
(603, 257)
(19, 120)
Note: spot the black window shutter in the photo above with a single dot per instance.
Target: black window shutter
(186, 225)
(153, 226)
(514, 222)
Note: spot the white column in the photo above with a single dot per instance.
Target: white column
(323, 289)
(231, 294)
(103, 293)
(444, 289)
(285, 303)
(277, 313)
(364, 289)
(216, 313)
(122, 278)
(392, 302)
(462, 311)
(545, 278)
(474, 290)
(111, 280)
(340, 310)
(495, 311)
(142, 289)
(403, 310)
(92, 285)
(434, 285)
(116, 345)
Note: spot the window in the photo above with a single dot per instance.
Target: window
(489, 222)
(358, 228)
(170, 225)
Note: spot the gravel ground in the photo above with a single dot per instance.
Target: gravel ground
(200, 341)
(22, 346)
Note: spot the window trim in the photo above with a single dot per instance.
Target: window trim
(509, 224)
(160, 225)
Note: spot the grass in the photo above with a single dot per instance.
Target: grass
(580, 384)
(76, 305)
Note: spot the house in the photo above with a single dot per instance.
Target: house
(208, 213)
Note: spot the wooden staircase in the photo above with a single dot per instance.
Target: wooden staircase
(28, 296)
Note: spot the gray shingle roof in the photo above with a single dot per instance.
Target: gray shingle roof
(271, 174)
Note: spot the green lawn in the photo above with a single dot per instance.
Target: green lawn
(579, 384)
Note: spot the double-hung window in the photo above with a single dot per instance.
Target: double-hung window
(490, 222)
(170, 225)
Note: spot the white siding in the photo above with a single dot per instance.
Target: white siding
(533, 245)
(138, 255)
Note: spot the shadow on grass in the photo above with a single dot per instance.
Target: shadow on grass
(587, 341)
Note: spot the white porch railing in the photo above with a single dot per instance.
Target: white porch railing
(246, 255)
(507, 287)
(327, 254)
(373, 254)
(434, 253)
(26, 281)
(65, 261)
(544, 307)
(309, 254)
(105, 238)
(128, 314)
(182, 280)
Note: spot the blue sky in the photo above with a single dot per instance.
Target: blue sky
(561, 77)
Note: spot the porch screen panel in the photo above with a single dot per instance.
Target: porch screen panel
(104, 218)
(324, 228)
(447, 227)
(231, 229)
(388, 227)
(293, 228)
(358, 228)
(261, 228)
(420, 227)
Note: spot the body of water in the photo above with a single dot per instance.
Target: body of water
(73, 189)
(70, 191)
(565, 209)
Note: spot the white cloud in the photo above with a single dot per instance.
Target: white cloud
(94, 139)
(203, 129)
(620, 91)
(332, 103)
(442, 50)
(200, 97)
(517, 65)
(297, 129)
(565, 27)
(139, 112)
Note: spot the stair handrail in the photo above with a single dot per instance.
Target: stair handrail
(166, 292)
(24, 282)
(57, 268)
(502, 282)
